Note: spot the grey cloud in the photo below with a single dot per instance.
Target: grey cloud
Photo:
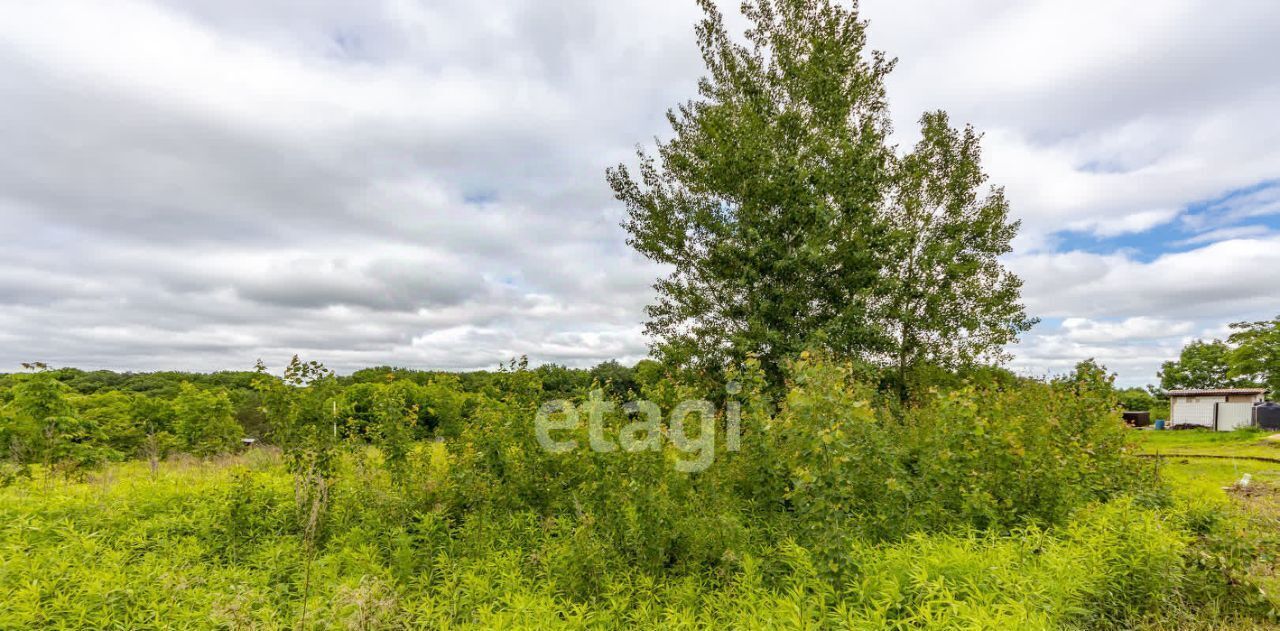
(197, 184)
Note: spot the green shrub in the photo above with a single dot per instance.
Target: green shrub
(205, 421)
(1002, 458)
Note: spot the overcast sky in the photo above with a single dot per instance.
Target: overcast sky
(197, 184)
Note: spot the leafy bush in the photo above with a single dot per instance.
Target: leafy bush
(989, 458)
(39, 425)
(205, 421)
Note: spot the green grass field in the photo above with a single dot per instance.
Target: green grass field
(1216, 481)
(1209, 477)
(1243, 442)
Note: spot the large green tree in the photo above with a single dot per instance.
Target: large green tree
(1201, 365)
(947, 300)
(40, 425)
(788, 221)
(1256, 356)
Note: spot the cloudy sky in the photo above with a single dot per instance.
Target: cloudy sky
(197, 184)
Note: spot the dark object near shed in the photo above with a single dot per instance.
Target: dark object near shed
(1138, 419)
(1267, 415)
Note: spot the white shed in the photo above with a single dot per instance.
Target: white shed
(1223, 409)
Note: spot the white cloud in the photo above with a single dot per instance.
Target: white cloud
(1132, 223)
(1214, 281)
(1226, 234)
(1044, 354)
(1263, 201)
(1137, 328)
(1132, 314)
(196, 184)
(1103, 116)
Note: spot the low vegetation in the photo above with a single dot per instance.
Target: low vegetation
(402, 500)
(1244, 442)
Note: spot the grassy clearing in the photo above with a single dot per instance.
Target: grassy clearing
(1243, 442)
(1209, 479)
(1250, 515)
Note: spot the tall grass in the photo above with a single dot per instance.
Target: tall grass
(1006, 508)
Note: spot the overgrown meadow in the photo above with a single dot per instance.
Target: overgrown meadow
(408, 500)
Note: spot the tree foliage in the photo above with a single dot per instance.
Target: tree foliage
(205, 423)
(1137, 400)
(1200, 365)
(1256, 356)
(41, 426)
(789, 222)
(949, 301)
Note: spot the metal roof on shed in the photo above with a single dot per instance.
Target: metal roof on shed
(1215, 392)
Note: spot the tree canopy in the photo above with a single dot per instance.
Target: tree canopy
(1249, 357)
(1201, 365)
(1256, 356)
(788, 221)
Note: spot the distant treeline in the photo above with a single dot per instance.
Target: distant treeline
(72, 419)
(556, 378)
